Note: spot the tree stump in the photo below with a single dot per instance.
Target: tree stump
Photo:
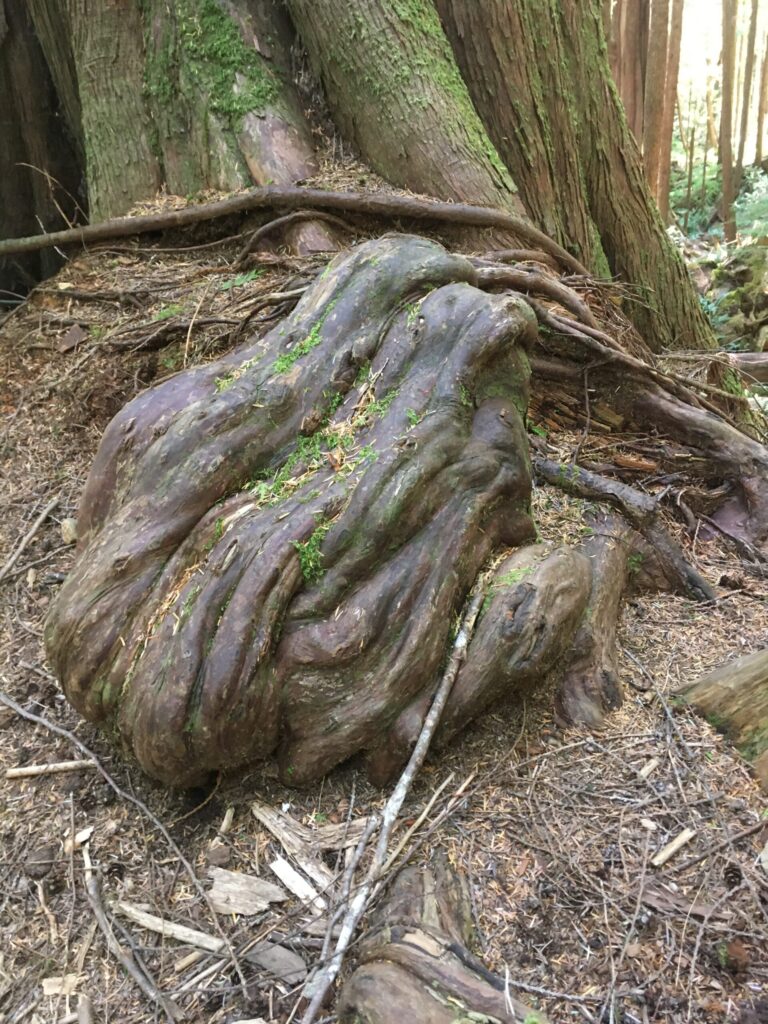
(415, 965)
(734, 699)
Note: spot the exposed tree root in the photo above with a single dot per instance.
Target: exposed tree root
(273, 546)
(292, 198)
(415, 963)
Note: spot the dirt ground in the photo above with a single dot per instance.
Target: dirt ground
(555, 830)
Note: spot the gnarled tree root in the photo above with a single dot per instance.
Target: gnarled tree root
(273, 546)
(415, 964)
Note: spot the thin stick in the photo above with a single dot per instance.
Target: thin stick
(29, 536)
(147, 986)
(321, 983)
(30, 771)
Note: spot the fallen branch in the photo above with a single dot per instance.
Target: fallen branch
(320, 984)
(372, 205)
(148, 987)
(31, 771)
(169, 930)
(27, 539)
(642, 512)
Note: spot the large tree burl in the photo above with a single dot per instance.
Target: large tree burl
(274, 547)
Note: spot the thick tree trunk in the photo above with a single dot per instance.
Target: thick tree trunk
(188, 95)
(514, 68)
(39, 173)
(726, 120)
(670, 97)
(749, 67)
(394, 91)
(108, 49)
(631, 230)
(533, 112)
(655, 92)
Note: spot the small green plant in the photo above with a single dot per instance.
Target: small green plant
(465, 398)
(634, 562)
(413, 417)
(512, 577)
(166, 313)
(239, 280)
(303, 348)
(536, 429)
(310, 555)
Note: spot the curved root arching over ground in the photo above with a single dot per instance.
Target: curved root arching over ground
(274, 547)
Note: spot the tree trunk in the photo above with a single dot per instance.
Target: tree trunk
(726, 110)
(188, 95)
(670, 96)
(514, 68)
(655, 92)
(762, 105)
(572, 73)
(107, 45)
(629, 57)
(749, 65)
(39, 173)
(394, 91)
(712, 135)
(734, 699)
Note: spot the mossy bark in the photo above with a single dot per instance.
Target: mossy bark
(560, 126)
(395, 91)
(116, 127)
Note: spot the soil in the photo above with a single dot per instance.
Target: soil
(555, 829)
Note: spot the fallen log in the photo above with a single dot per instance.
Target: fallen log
(734, 699)
(415, 963)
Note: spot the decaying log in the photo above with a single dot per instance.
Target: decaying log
(734, 698)
(415, 964)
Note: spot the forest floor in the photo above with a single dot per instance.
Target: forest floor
(554, 829)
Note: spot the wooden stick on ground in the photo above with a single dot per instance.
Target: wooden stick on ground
(31, 771)
(291, 197)
(321, 983)
(148, 987)
(29, 536)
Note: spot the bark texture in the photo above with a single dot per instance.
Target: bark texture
(39, 173)
(394, 91)
(726, 117)
(255, 565)
(560, 126)
(628, 57)
(670, 100)
(655, 91)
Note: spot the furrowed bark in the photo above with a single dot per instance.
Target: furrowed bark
(394, 91)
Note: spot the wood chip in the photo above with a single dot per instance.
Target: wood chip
(72, 338)
(169, 930)
(68, 529)
(281, 962)
(672, 847)
(64, 985)
(299, 886)
(234, 892)
(649, 767)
